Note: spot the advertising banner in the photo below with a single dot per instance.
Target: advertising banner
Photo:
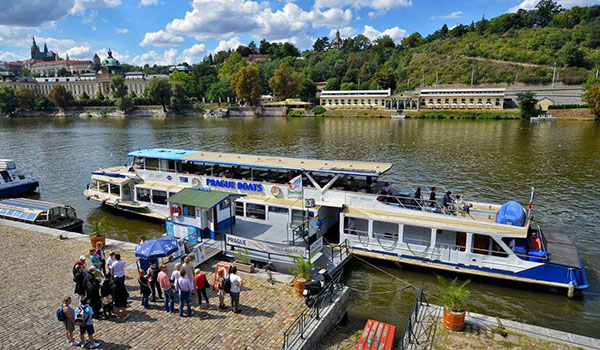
(281, 249)
(200, 253)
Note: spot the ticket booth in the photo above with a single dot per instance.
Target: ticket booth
(197, 213)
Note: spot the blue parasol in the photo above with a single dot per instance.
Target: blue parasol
(156, 248)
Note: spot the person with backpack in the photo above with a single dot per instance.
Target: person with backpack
(201, 283)
(221, 287)
(84, 318)
(66, 315)
(144, 288)
(235, 287)
(106, 293)
(152, 272)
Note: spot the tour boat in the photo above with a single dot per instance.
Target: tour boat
(12, 182)
(398, 116)
(58, 216)
(354, 203)
(544, 117)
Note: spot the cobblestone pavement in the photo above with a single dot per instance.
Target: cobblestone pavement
(36, 274)
(340, 338)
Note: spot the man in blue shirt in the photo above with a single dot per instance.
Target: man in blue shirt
(318, 223)
(88, 326)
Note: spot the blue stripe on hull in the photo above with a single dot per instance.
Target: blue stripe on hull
(18, 190)
(544, 273)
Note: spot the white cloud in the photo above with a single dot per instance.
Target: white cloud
(83, 52)
(161, 38)
(530, 4)
(374, 4)
(194, 54)
(103, 53)
(9, 56)
(56, 45)
(80, 5)
(122, 30)
(344, 32)
(152, 57)
(225, 45)
(395, 33)
(451, 15)
(148, 2)
(220, 19)
(33, 13)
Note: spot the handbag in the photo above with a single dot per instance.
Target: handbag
(107, 300)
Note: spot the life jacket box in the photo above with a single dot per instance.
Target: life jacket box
(221, 265)
(538, 253)
(376, 336)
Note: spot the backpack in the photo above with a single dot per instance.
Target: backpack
(227, 285)
(60, 314)
(80, 316)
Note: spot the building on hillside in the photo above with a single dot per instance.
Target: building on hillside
(373, 99)
(51, 68)
(544, 104)
(402, 101)
(467, 98)
(96, 60)
(289, 103)
(253, 58)
(91, 83)
(320, 85)
(267, 99)
(560, 94)
(45, 55)
(179, 68)
(337, 42)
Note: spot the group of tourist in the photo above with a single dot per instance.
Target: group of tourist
(100, 287)
(449, 205)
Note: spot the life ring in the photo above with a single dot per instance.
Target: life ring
(175, 210)
(275, 191)
(195, 182)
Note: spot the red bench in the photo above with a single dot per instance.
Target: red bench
(376, 336)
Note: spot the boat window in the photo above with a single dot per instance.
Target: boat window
(138, 163)
(481, 244)
(417, 235)
(354, 226)
(279, 210)
(224, 204)
(167, 165)
(239, 208)
(94, 185)
(115, 190)
(159, 197)
(461, 241)
(450, 240)
(102, 186)
(151, 164)
(143, 194)
(385, 230)
(497, 250)
(171, 194)
(189, 211)
(256, 211)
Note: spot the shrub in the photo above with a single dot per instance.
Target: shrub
(317, 110)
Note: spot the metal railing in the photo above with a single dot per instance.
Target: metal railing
(341, 250)
(296, 332)
(420, 326)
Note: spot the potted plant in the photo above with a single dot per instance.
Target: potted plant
(453, 299)
(241, 261)
(97, 227)
(301, 272)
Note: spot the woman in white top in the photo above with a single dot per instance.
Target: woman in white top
(189, 271)
(175, 275)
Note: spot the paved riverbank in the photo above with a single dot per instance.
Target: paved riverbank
(36, 274)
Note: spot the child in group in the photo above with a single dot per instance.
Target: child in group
(106, 292)
(144, 288)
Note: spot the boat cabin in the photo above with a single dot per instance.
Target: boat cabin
(41, 213)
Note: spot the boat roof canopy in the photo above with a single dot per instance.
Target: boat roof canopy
(355, 168)
(200, 198)
(24, 208)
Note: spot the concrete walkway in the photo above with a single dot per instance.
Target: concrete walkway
(36, 274)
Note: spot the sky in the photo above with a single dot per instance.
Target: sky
(167, 32)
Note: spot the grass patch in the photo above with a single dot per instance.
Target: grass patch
(501, 114)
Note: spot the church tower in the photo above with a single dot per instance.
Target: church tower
(35, 50)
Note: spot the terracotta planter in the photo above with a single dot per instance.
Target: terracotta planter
(249, 268)
(95, 239)
(299, 285)
(454, 320)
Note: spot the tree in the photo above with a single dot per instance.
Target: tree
(245, 84)
(385, 41)
(412, 40)
(527, 103)
(252, 47)
(178, 97)
(189, 84)
(231, 65)
(63, 72)
(361, 42)
(573, 56)
(118, 87)
(545, 11)
(286, 82)
(159, 90)
(333, 84)
(308, 90)
(216, 93)
(8, 100)
(348, 86)
(84, 96)
(385, 78)
(124, 104)
(26, 98)
(42, 103)
(321, 44)
(60, 97)
(592, 98)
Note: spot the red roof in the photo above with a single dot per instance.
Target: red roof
(63, 61)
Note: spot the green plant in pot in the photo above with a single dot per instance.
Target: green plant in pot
(453, 298)
(242, 262)
(301, 272)
(97, 227)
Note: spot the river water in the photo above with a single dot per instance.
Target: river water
(490, 160)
